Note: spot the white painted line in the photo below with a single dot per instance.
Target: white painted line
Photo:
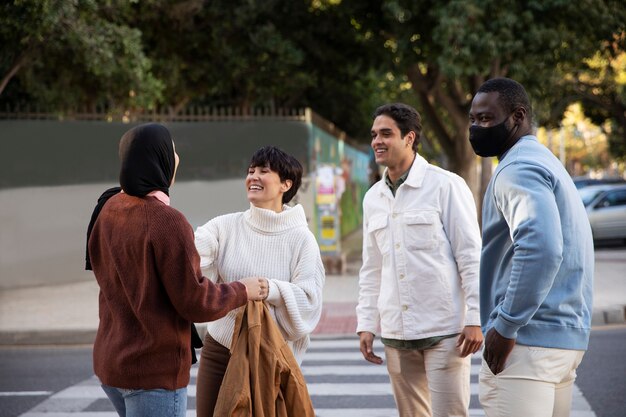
(345, 370)
(189, 413)
(376, 412)
(80, 414)
(364, 369)
(330, 389)
(341, 343)
(24, 393)
(339, 356)
(349, 389)
(81, 391)
(356, 412)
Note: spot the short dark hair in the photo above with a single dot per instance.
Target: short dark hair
(286, 166)
(405, 116)
(512, 94)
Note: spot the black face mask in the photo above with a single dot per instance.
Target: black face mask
(490, 141)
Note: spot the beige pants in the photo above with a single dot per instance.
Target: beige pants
(535, 382)
(431, 382)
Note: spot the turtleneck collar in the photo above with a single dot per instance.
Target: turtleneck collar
(268, 221)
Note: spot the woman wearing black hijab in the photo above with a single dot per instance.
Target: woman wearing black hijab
(151, 289)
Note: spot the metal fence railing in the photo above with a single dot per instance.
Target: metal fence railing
(189, 114)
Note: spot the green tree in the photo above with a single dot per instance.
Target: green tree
(601, 86)
(69, 54)
(446, 49)
(273, 53)
(219, 52)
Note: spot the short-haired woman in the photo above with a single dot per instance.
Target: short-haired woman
(270, 240)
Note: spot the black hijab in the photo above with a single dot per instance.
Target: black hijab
(147, 155)
(148, 164)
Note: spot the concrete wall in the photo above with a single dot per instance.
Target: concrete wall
(53, 172)
(44, 152)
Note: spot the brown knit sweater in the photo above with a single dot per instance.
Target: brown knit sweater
(151, 289)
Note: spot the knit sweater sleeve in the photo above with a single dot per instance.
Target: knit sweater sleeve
(195, 297)
(207, 244)
(298, 302)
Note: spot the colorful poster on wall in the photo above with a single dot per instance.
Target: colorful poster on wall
(325, 186)
(327, 209)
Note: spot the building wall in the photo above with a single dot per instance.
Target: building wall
(54, 171)
(47, 152)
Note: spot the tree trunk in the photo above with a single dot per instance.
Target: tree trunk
(486, 169)
(451, 136)
(462, 161)
(178, 107)
(14, 69)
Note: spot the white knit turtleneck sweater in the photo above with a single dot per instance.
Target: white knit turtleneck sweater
(277, 246)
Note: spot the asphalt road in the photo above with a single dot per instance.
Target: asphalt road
(601, 376)
(602, 373)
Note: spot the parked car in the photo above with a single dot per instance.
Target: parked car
(606, 209)
(591, 192)
(581, 182)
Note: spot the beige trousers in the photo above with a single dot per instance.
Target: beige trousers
(535, 382)
(430, 382)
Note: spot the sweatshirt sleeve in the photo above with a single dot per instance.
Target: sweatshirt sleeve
(526, 199)
(460, 223)
(194, 297)
(298, 302)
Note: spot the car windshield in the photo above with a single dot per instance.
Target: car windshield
(589, 194)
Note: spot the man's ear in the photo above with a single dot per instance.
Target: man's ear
(519, 114)
(410, 138)
(286, 185)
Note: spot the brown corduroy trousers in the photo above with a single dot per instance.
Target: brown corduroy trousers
(212, 367)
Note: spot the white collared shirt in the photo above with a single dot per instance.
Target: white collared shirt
(421, 253)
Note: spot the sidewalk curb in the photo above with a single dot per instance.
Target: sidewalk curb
(610, 315)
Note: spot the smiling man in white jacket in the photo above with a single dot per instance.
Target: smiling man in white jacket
(419, 279)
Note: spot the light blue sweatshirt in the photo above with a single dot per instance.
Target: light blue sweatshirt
(536, 267)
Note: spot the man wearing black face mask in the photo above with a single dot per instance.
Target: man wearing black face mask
(536, 267)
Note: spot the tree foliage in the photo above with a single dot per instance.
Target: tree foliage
(275, 53)
(600, 84)
(340, 57)
(66, 54)
(446, 49)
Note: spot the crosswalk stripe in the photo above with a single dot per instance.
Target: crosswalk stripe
(365, 369)
(189, 413)
(81, 391)
(377, 412)
(357, 412)
(327, 389)
(340, 344)
(340, 363)
(24, 393)
(333, 389)
(338, 356)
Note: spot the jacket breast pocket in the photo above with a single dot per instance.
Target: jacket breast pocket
(421, 230)
(378, 232)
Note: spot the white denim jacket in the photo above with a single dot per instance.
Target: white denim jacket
(421, 253)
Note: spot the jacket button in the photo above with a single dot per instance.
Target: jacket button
(405, 308)
(401, 276)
